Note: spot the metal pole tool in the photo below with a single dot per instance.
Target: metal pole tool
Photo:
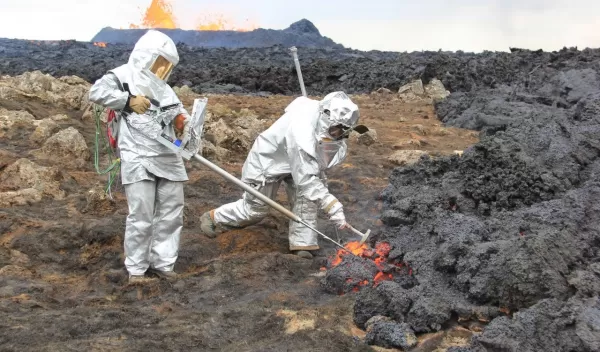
(297, 63)
(268, 200)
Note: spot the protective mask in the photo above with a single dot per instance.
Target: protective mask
(330, 153)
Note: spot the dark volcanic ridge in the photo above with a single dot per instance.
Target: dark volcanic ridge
(270, 70)
(302, 33)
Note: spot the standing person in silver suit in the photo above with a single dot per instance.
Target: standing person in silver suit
(152, 174)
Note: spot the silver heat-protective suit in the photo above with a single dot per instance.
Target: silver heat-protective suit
(294, 150)
(153, 175)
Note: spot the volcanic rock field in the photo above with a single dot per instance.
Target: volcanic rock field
(483, 206)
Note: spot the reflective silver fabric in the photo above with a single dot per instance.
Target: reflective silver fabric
(288, 147)
(336, 109)
(300, 236)
(150, 171)
(106, 92)
(331, 153)
(152, 45)
(154, 224)
(250, 210)
(288, 150)
(141, 156)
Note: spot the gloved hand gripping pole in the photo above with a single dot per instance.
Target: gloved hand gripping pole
(263, 198)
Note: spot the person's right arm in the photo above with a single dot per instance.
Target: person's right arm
(106, 92)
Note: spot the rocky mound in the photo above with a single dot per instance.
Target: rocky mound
(550, 325)
(302, 34)
(510, 226)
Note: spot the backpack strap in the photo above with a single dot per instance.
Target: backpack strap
(123, 87)
(112, 125)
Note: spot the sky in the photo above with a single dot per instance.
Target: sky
(389, 25)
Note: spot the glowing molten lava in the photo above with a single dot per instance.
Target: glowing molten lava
(100, 44)
(379, 256)
(355, 247)
(220, 23)
(160, 15)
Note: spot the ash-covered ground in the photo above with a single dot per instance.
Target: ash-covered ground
(62, 281)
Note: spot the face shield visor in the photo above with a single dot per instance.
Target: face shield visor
(161, 68)
(338, 132)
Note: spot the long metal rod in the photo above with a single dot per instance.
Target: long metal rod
(297, 63)
(262, 197)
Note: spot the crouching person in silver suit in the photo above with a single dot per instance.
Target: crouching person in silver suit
(308, 139)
